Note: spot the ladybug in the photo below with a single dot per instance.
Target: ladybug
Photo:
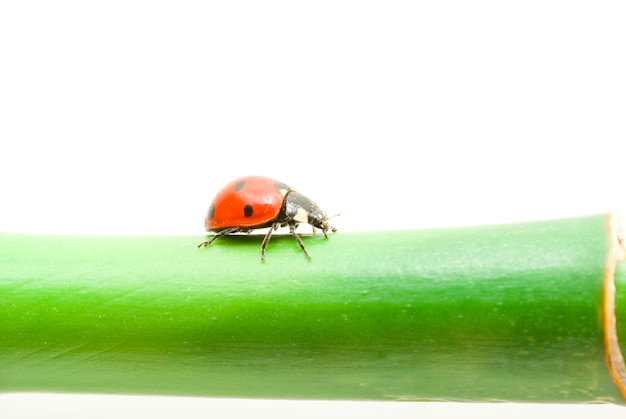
(254, 202)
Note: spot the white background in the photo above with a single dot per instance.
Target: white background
(125, 117)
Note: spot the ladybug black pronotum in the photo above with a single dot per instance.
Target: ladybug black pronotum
(254, 202)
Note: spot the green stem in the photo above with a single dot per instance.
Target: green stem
(507, 312)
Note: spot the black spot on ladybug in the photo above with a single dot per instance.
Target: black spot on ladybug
(211, 212)
(239, 185)
(281, 185)
(247, 210)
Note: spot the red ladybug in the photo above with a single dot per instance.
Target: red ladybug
(253, 202)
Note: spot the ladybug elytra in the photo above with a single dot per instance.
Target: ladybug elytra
(254, 202)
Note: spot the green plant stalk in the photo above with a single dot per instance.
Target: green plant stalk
(505, 312)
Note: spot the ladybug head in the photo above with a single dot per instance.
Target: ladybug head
(319, 219)
(301, 209)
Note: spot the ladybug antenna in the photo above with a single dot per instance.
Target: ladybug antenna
(333, 229)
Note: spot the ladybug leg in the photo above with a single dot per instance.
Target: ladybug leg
(292, 230)
(218, 235)
(266, 240)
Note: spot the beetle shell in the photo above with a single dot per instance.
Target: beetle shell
(248, 202)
